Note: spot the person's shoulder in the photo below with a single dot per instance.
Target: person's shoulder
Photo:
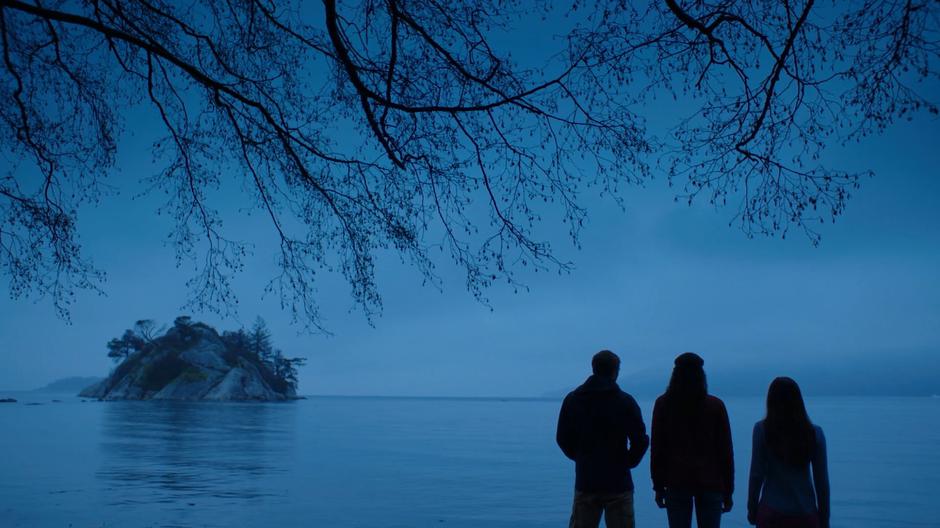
(626, 396)
(715, 405)
(714, 400)
(627, 401)
(627, 404)
(759, 427)
(661, 404)
(819, 432)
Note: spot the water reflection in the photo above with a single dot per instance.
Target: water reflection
(189, 452)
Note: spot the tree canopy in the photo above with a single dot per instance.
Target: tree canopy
(447, 142)
(119, 349)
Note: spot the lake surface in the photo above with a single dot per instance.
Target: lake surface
(389, 462)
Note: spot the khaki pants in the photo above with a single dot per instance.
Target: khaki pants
(617, 509)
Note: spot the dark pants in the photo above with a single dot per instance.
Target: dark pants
(588, 507)
(707, 508)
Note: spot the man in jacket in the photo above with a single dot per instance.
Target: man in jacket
(601, 428)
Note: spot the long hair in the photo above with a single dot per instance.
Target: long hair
(790, 434)
(687, 386)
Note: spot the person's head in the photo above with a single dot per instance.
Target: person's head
(688, 383)
(789, 432)
(606, 364)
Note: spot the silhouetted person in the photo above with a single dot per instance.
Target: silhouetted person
(692, 459)
(601, 428)
(781, 493)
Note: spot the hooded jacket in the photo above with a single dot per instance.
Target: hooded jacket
(601, 428)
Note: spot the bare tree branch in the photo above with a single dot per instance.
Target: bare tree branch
(447, 143)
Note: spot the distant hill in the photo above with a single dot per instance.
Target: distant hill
(71, 385)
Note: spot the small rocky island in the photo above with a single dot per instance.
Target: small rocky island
(192, 361)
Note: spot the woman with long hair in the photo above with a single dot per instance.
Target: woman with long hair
(789, 483)
(691, 457)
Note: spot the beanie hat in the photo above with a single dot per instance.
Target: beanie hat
(689, 359)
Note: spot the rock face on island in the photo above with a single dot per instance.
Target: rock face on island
(192, 361)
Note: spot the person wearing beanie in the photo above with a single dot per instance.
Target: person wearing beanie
(691, 457)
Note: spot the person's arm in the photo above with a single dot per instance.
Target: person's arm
(758, 473)
(658, 456)
(566, 436)
(821, 478)
(726, 454)
(636, 434)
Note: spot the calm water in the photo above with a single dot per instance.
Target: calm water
(380, 462)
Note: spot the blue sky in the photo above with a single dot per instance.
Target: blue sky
(650, 282)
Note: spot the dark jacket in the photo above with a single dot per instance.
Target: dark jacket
(601, 428)
(692, 452)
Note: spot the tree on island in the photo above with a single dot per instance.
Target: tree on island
(134, 340)
(147, 329)
(286, 368)
(439, 121)
(237, 339)
(120, 348)
(260, 341)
